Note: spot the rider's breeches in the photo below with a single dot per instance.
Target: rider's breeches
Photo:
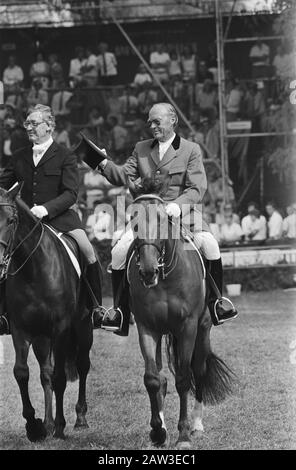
(205, 241)
(84, 244)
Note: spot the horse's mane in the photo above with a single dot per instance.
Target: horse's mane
(149, 185)
(16, 203)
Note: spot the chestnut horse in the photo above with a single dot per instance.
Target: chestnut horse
(46, 303)
(168, 298)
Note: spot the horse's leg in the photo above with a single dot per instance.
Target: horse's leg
(185, 346)
(198, 366)
(34, 427)
(148, 342)
(163, 384)
(42, 350)
(85, 339)
(59, 381)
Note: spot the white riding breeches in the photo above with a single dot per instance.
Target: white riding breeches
(205, 241)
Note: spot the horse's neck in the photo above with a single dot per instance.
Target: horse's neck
(26, 225)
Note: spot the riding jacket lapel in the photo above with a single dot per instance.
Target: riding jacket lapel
(171, 152)
(50, 152)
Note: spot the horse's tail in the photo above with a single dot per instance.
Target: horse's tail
(71, 355)
(212, 379)
(215, 378)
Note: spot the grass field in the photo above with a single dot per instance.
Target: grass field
(258, 345)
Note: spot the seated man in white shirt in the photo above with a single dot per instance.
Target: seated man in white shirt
(231, 232)
(247, 222)
(257, 226)
(275, 222)
(289, 223)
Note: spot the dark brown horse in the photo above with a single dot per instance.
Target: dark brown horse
(168, 298)
(46, 304)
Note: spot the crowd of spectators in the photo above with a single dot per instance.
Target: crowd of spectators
(90, 97)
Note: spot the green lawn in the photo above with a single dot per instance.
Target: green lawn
(260, 415)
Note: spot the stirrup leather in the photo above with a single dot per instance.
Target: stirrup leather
(218, 320)
(112, 328)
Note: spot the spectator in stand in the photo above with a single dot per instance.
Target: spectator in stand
(107, 65)
(76, 103)
(259, 57)
(139, 131)
(128, 104)
(175, 66)
(99, 223)
(1, 93)
(160, 63)
(275, 222)
(281, 62)
(207, 98)
(37, 95)
(289, 223)
(231, 232)
(75, 72)
(118, 140)
(13, 76)
(188, 64)
(89, 68)
(56, 72)
(94, 128)
(61, 135)
(256, 227)
(146, 99)
(233, 100)
(59, 101)
(257, 107)
(203, 73)
(247, 223)
(112, 104)
(142, 76)
(40, 69)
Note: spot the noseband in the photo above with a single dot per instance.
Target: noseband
(9, 251)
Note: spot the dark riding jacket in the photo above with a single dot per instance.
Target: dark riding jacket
(53, 183)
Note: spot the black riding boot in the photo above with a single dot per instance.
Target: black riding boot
(93, 278)
(218, 313)
(117, 318)
(4, 325)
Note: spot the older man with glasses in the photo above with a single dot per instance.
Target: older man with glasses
(51, 179)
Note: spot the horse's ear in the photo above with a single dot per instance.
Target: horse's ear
(15, 189)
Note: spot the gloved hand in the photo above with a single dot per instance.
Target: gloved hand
(39, 211)
(173, 210)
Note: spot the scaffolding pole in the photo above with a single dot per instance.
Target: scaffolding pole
(221, 94)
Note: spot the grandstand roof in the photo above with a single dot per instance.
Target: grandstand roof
(67, 13)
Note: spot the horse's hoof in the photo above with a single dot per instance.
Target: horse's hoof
(81, 424)
(59, 434)
(197, 433)
(158, 437)
(36, 430)
(183, 445)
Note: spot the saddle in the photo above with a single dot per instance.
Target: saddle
(72, 249)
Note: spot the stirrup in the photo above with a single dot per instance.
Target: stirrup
(220, 321)
(112, 328)
(93, 312)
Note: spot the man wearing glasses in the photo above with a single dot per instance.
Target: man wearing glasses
(166, 157)
(51, 179)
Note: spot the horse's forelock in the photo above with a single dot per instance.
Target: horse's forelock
(9, 210)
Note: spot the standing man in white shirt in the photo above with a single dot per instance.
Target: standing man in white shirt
(107, 65)
(289, 222)
(247, 223)
(259, 57)
(275, 222)
(76, 64)
(160, 62)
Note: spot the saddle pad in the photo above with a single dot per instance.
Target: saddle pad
(190, 240)
(70, 253)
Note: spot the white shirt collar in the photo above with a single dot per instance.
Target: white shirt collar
(44, 146)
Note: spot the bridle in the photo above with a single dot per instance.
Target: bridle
(9, 251)
(164, 268)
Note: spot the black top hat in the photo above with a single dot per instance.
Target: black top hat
(92, 155)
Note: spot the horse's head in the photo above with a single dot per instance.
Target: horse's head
(150, 223)
(8, 223)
